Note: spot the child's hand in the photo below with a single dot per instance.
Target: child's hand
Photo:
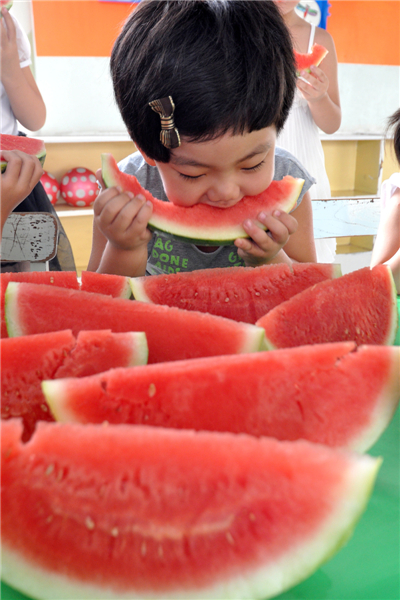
(123, 218)
(263, 246)
(317, 84)
(23, 172)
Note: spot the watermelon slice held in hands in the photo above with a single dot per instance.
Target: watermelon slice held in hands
(201, 223)
(305, 61)
(6, 4)
(28, 145)
(27, 360)
(93, 511)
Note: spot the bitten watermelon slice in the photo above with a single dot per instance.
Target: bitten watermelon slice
(116, 286)
(172, 333)
(324, 393)
(66, 279)
(313, 58)
(27, 360)
(359, 306)
(140, 512)
(24, 144)
(238, 293)
(202, 223)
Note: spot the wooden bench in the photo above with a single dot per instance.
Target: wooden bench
(30, 237)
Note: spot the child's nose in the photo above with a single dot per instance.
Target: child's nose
(224, 191)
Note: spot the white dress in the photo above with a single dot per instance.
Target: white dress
(300, 136)
(8, 122)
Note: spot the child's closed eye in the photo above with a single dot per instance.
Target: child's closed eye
(255, 168)
(190, 177)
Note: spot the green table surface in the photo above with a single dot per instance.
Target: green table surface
(368, 567)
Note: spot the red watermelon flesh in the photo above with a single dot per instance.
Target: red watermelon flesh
(116, 286)
(324, 393)
(238, 293)
(25, 144)
(172, 333)
(142, 512)
(359, 306)
(66, 279)
(28, 360)
(202, 223)
(313, 58)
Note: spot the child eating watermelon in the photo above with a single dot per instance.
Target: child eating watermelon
(216, 78)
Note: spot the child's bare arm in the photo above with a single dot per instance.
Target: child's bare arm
(322, 89)
(25, 98)
(120, 234)
(387, 244)
(23, 172)
(289, 237)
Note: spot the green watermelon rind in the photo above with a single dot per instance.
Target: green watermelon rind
(41, 155)
(215, 235)
(7, 5)
(11, 310)
(261, 583)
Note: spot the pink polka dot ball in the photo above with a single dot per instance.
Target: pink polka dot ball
(79, 187)
(51, 186)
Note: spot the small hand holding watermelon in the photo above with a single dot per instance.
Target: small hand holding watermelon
(5, 4)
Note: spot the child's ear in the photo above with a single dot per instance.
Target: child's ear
(149, 161)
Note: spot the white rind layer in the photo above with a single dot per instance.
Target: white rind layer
(11, 310)
(140, 349)
(256, 584)
(137, 287)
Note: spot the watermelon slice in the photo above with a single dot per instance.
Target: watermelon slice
(141, 512)
(313, 58)
(238, 293)
(359, 306)
(116, 286)
(6, 3)
(66, 279)
(27, 360)
(24, 144)
(172, 333)
(201, 223)
(325, 393)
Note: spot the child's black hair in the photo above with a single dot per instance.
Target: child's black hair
(394, 121)
(228, 65)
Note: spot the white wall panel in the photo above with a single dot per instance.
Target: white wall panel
(79, 97)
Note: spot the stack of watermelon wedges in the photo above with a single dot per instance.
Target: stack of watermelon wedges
(190, 435)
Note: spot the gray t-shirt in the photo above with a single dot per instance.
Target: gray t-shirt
(167, 254)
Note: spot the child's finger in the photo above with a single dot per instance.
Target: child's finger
(100, 179)
(8, 24)
(127, 213)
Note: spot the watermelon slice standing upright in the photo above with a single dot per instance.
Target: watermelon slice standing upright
(27, 360)
(129, 512)
(359, 306)
(66, 279)
(201, 223)
(172, 333)
(329, 394)
(238, 293)
(32, 146)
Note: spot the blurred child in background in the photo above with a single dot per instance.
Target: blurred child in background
(387, 244)
(316, 106)
(22, 103)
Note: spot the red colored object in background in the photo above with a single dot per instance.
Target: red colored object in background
(79, 187)
(51, 186)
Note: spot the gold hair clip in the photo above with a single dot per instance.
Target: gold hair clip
(169, 135)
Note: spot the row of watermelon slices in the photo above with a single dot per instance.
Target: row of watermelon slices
(205, 515)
